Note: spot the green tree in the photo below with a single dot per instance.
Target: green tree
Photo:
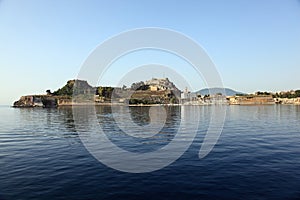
(67, 90)
(297, 93)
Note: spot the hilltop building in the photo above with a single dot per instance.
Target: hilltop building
(162, 84)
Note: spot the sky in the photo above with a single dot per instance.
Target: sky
(254, 44)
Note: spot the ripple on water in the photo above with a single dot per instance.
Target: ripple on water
(256, 157)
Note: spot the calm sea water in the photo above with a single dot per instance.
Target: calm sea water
(256, 157)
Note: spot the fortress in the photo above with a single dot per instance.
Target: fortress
(154, 91)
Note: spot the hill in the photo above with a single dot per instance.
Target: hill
(228, 91)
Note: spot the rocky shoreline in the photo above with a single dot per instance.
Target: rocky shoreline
(149, 93)
(47, 101)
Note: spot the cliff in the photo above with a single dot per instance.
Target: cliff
(63, 96)
(36, 101)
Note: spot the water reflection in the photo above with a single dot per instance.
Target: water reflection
(140, 115)
(46, 122)
(66, 116)
(134, 120)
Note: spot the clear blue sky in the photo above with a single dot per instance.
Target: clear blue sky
(255, 44)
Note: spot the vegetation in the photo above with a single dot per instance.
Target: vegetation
(263, 93)
(241, 95)
(143, 87)
(174, 100)
(67, 90)
(105, 92)
(139, 86)
(143, 101)
(288, 95)
(82, 89)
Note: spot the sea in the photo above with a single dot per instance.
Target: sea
(44, 154)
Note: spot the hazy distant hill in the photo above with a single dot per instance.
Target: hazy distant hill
(229, 92)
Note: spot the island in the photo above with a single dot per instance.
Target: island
(157, 91)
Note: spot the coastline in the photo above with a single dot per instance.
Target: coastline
(154, 92)
(146, 105)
